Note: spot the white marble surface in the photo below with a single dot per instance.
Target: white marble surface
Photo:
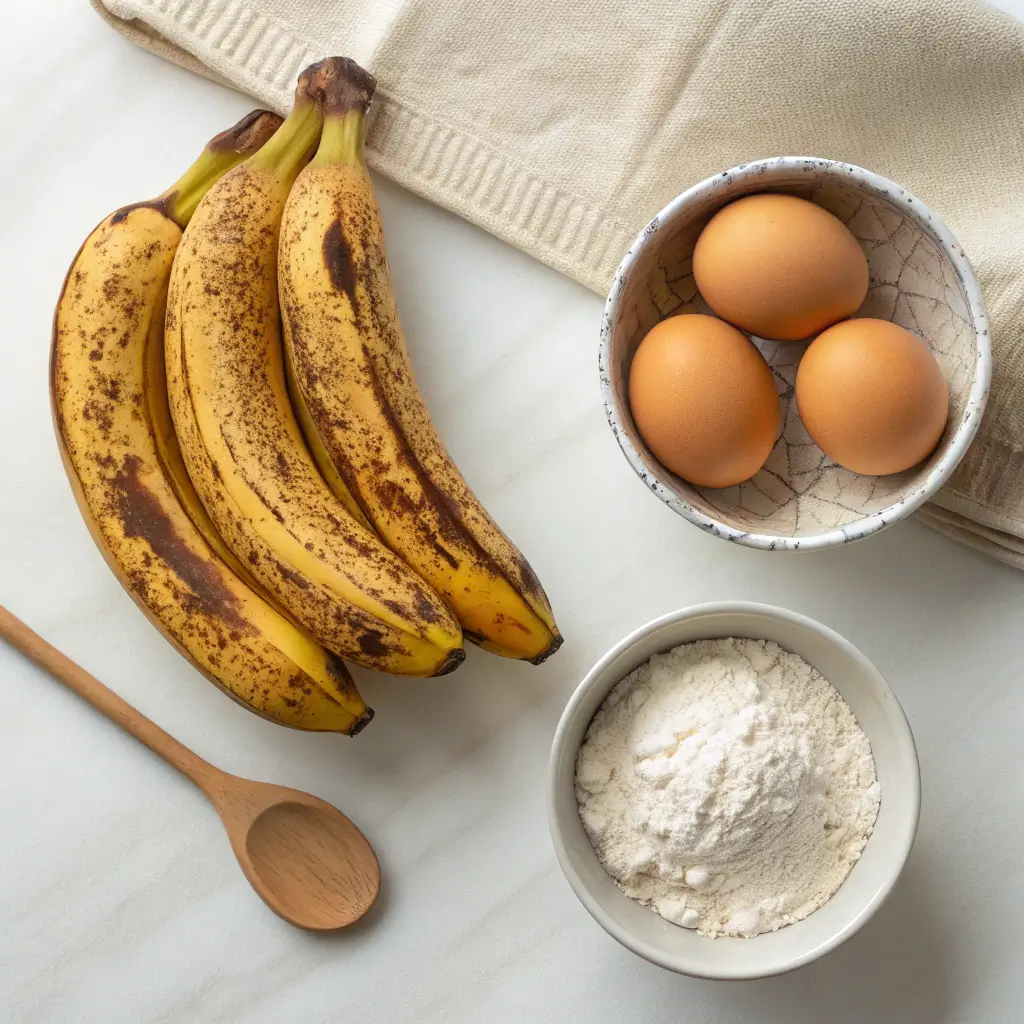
(119, 898)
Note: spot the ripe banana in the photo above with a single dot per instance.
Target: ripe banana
(354, 387)
(120, 452)
(242, 445)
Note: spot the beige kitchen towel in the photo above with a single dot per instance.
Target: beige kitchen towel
(562, 125)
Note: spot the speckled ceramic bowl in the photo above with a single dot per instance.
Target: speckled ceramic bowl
(920, 279)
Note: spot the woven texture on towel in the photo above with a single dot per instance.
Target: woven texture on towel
(562, 127)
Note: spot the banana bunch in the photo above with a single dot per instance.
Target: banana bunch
(114, 430)
(238, 415)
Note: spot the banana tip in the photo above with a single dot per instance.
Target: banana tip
(452, 662)
(361, 722)
(556, 642)
(248, 135)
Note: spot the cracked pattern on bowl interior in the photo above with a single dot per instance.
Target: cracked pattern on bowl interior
(800, 491)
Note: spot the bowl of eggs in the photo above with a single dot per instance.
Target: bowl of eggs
(795, 354)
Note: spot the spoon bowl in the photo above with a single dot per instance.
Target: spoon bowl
(305, 859)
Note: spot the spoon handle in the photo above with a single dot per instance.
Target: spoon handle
(104, 700)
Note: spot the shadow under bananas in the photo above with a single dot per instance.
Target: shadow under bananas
(446, 720)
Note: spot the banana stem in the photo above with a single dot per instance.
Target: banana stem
(293, 143)
(346, 99)
(222, 152)
(342, 139)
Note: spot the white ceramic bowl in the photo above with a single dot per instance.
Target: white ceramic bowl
(919, 278)
(873, 876)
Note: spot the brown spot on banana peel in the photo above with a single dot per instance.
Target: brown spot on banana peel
(396, 499)
(372, 645)
(141, 515)
(338, 261)
(500, 619)
(110, 388)
(94, 410)
(291, 576)
(426, 611)
(112, 286)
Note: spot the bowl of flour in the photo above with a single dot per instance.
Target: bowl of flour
(733, 791)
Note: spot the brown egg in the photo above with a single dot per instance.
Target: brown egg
(779, 267)
(704, 400)
(872, 396)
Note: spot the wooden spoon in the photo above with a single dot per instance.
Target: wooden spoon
(303, 857)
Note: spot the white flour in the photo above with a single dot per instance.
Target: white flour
(728, 786)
